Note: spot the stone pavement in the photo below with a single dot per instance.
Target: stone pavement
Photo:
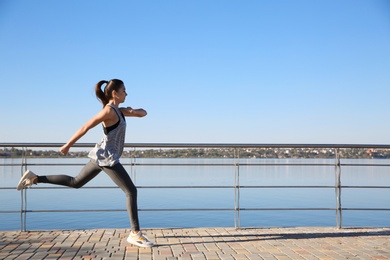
(200, 243)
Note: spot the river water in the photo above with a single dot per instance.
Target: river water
(193, 173)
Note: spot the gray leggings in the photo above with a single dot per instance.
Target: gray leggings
(117, 173)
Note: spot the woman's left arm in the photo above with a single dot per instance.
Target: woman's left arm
(128, 111)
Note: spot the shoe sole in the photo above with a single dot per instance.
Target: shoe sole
(139, 245)
(20, 186)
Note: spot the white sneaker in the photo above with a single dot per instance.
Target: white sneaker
(139, 239)
(26, 180)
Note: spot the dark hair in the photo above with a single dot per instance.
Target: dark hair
(105, 95)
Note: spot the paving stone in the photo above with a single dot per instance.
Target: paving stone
(200, 243)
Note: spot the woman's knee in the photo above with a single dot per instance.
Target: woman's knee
(77, 186)
(130, 191)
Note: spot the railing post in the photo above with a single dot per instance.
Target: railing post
(339, 217)
(237, 220)
(23, 194)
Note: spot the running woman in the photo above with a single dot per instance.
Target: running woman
(105, 155)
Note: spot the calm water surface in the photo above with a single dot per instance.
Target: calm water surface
(202, 175)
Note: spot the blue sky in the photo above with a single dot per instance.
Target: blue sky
(215, 71)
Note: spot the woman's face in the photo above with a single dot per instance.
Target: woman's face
(121, 94)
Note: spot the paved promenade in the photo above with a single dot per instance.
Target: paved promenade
(200, 243)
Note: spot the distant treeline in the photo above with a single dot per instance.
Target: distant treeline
(353, 153)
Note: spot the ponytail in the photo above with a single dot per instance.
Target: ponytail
(106, 95)
(99, 93)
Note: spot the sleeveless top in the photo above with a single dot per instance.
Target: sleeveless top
(110, 148)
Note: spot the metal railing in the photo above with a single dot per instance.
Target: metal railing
(237, 164)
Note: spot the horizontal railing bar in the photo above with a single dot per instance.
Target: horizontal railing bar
(138, 187)
(374, 209)
(205, 164)
(362, 164)
(210, 187)
(181, 164)
(365, 187)
(288, 209)
(214, 164)
(283, 187)
(190, 209)
(123, 210)
(72, 210)
(249, 164)
(292, 209)
(205, 145)
(303, 187)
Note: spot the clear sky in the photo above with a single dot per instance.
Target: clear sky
(207, 71)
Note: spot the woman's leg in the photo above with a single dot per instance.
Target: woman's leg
(119, 175)
(87, 173)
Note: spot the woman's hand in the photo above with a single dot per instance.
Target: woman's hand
(129, 111)
(65, 149)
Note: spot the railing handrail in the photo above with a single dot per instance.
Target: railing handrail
(206, 145)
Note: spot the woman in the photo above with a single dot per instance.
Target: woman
(105, 155)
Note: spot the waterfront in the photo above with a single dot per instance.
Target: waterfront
(208, 172)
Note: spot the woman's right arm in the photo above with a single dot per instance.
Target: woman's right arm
(94, 121)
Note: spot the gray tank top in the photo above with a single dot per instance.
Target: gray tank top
(110, 148)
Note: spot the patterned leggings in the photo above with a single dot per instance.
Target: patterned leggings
(117, 173)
